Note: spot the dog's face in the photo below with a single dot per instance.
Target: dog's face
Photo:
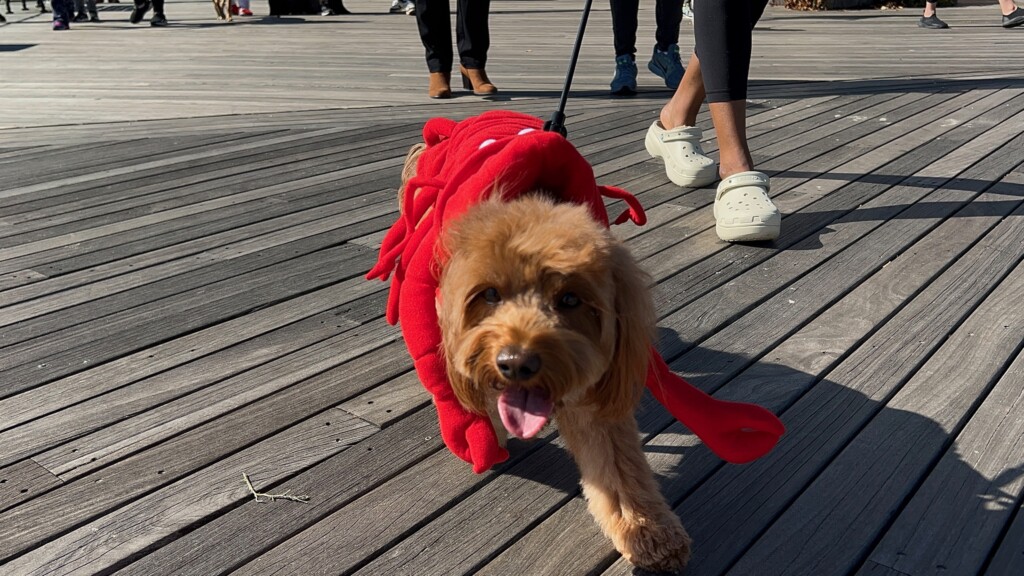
(540, 306)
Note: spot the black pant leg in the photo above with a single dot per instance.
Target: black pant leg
(158, 7)
(434, 20)
(624, 14)
(723, 31)
(669, 15)
(472, 32)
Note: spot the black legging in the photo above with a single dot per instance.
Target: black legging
(434, 20)
(667, 14)
(722, 31)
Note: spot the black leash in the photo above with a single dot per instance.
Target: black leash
(557, 121)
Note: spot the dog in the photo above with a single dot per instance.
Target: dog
(518, 306)
(223, 9)
(545, 314)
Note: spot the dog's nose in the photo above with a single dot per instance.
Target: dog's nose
(517, 364)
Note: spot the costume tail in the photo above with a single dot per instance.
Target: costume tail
(735, 431)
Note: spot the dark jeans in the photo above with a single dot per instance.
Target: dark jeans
(723, 32)
(667, 14)
(474, 38)
(63, 10)
(158, 5)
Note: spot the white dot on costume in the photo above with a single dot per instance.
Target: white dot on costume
(487, 142)
(525, 131)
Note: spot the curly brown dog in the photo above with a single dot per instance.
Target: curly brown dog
(544, 313)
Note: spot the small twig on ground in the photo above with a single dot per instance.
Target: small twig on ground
(272, 497)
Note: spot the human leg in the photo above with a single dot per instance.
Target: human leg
(433, 19)
(1012, 16)
(624, 23)
(474, 39)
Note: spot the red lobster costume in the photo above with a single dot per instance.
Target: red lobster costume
(460, 166)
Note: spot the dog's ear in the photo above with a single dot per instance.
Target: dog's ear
(409, 170)
(635, 321)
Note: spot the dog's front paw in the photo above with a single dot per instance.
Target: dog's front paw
(658, 546)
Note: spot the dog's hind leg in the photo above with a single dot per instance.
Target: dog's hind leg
(621, 491)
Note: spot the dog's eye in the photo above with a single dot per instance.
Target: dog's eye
(568, 300)
(491, 296)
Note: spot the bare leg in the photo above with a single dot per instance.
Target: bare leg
(729, 118)
(621, 492)
(682, 109)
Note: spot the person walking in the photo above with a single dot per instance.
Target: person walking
(85, 11)
(718, 70)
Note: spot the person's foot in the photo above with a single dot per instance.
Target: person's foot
(624, 81)
(407, 7)
(244, 12)
(932, 22)
(685, 162)
(95, 19)
(327, 12)
(743, 211)
(1014, 19)
(80, 17)
(158, 20)
(687, 12)
(667, 66)
(233, 9)
(139, 12)
(59, 25)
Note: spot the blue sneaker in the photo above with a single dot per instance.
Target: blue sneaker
(624, 81)
(667, 66)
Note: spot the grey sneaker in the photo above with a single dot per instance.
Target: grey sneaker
(624, 81)
(667, 66)
(1014, 19)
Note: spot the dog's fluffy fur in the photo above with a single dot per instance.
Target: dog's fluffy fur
(546, 281)
(223, 9)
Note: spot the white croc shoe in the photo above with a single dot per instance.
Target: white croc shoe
(743, 211)
(685, 162)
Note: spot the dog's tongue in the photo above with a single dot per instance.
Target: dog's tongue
(524, 412)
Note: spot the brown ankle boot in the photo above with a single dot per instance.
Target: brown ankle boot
(440, 85)
(475, 79)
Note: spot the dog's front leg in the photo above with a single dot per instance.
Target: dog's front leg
(621, 491)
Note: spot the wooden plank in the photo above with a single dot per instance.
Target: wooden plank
(166, 356)
(67, 351)
(1007, 558)
(468, 527)
(719, 269)
(229, 541)
(23, 481)
(868, 481)
(133, 267)
(96, 300)
(807, 185)
(955, 519)
(91, 434)
(113, 539)
(191, 184)
(390, 401)
(52, 186)
(84, 499)
(153, 423)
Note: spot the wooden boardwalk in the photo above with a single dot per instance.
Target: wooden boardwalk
(186, 216)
